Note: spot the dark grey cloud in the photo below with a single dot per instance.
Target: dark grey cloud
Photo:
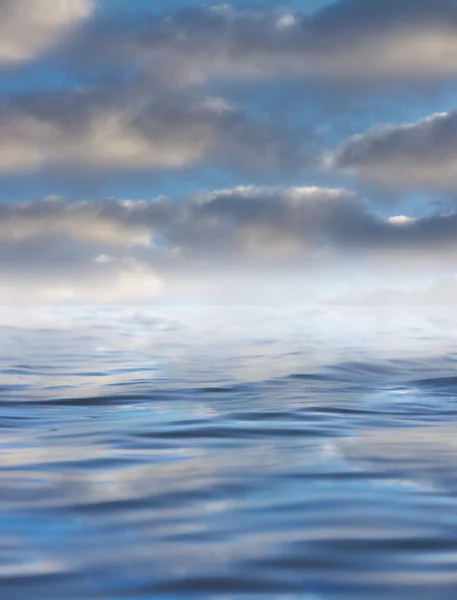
(313, 218)
(351, 41)
(327, 226)
(422, 154)
(116, 250)
(124, 130)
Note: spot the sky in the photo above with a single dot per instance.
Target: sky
(188, 152)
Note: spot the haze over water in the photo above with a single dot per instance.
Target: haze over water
(228, 451)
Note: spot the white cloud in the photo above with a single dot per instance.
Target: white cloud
(286, 20)
(29, 28)
(401, 220)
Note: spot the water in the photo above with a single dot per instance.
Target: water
(228, 452)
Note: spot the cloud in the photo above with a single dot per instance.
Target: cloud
(350, 41)
(270, 223)
(110, 129)
(52, 251)
(238, 222)
(326, 225)
(422, 154)
(28, 28)
(131, 250)
(86, 221)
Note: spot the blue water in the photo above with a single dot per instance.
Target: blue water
(228, 452)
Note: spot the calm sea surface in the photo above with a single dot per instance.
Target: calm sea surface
(237, 452)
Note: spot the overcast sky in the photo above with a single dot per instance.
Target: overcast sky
(295, 151)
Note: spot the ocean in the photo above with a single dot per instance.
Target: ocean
(236, 452)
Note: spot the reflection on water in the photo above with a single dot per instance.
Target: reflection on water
(244, 452)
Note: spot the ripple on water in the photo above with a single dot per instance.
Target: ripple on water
(270, 465)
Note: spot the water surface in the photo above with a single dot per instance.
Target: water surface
(237, 452)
